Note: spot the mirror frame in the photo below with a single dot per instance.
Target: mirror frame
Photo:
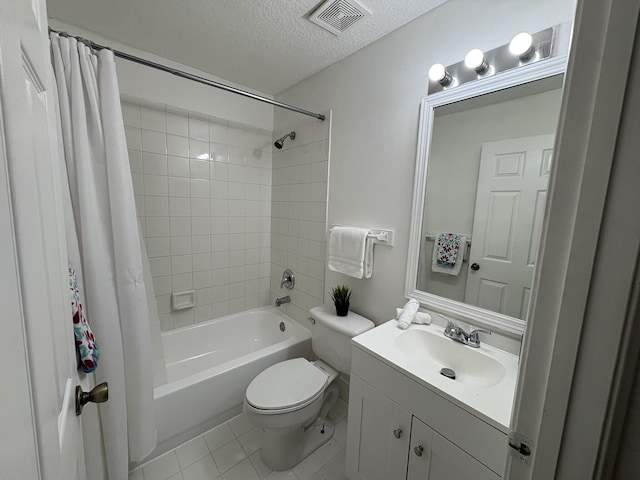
(468, 313)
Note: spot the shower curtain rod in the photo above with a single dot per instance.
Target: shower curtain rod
(189, 76)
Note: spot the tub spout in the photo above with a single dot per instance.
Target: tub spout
(281, 300)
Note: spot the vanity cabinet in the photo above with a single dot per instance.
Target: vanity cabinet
(399, 429)
(433, 457)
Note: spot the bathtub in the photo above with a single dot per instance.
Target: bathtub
(210, 365)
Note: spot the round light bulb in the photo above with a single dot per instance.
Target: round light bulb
(521, 45)
(474, 59)
(437, 72)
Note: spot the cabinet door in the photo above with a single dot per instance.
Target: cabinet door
(433, 457)
(378, 435)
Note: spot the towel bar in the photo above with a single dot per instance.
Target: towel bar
(381, 236)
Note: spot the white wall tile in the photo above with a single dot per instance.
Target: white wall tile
(177, 146)
(180, 226)
(198, 127)
(154, 142)
(181, 282)
(178, 166)
(153, 119)
(195, 211)
(156, 185)
(154, 163)
(179, 207)
(199, 168)
(177, 124)
(179, 187)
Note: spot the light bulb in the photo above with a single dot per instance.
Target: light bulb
(522, 46)
(476, 61)
(438, 73)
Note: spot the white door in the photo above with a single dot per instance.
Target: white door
(41, 435)
(510, 202)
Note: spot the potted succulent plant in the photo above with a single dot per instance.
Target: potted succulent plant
(340, 294)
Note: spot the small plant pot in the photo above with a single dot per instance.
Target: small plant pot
(342, 309)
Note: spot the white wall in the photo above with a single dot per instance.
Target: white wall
(159, 87)
(454, 164)
(375, 95)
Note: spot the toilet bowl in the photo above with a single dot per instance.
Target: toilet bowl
(291, 399)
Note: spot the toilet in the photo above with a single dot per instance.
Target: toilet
(290, 400)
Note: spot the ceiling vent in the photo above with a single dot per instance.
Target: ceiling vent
(338, 15)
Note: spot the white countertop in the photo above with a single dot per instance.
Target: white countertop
(490, 398)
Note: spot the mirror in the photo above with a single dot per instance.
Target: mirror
(484, 159)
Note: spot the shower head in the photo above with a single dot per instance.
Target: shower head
(280, 142)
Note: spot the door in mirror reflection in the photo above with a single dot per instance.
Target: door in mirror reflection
(510, 200)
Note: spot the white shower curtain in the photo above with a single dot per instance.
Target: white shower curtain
(104, 216)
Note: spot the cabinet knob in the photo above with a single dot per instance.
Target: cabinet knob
(418, 450)
(475, 267)
(397, 433)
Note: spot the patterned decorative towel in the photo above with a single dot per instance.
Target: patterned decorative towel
(448, 248)
(448, 253)
(86, 345)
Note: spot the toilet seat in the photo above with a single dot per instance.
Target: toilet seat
(286, 386)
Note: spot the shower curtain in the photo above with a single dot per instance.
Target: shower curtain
(109, 257)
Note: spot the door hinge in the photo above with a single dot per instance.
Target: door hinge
(520, 447)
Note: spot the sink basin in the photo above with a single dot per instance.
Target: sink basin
(485, 377)
(473, 367)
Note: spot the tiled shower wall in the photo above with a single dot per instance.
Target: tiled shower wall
(203, 194)
(299, 215)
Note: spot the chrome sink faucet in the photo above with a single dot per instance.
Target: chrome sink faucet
(454, 332)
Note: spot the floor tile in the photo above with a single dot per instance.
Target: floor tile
(177, 476)
(162, 467)
(251, 441)
(259, 465)
(314, 462)
(191, 452)
(240, 424)
(340, 433)
(228, 456)
(243, 471)
(218, 437)
(286, 475)
(136, 475)
(334, 469)
(203, 469)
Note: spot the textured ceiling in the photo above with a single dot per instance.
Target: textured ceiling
(268, 45)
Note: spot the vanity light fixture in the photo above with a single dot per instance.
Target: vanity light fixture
(476, 60)
(438, 73)
(522, 46)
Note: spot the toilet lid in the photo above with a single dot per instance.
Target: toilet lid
(286, 385)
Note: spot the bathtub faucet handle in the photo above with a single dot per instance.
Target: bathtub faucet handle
(288, 280)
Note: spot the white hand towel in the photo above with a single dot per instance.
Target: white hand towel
(420, 318)
(408, 312)
(351, 252)
(455, 270)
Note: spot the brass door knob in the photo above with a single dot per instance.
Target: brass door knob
(418, 450)
(397, 433)
(98, 394)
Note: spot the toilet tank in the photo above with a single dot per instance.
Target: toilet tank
(331, 335)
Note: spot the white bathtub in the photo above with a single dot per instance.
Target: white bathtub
(210, 365)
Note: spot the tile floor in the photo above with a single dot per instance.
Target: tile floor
(231, 451)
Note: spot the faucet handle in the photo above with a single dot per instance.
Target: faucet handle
(450, 324)
(474, 339)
